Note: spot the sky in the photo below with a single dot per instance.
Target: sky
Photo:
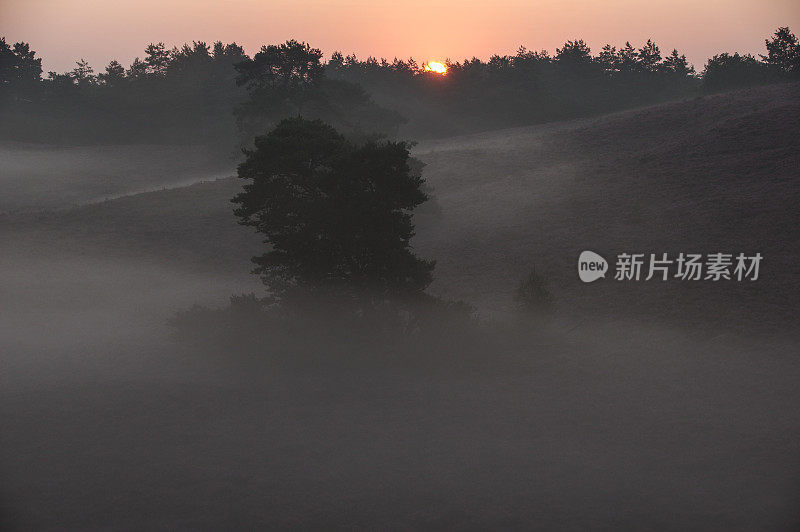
(63, 31)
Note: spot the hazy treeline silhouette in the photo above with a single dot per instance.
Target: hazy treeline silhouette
(290, 80)
(184, 94)
(535, 86)
(527, 87)
(200, 93)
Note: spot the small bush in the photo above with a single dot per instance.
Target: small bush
(532, 295)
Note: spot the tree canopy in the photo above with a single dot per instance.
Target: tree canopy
(337, 215)
(289, 80)
(20, 69)
(783, 51)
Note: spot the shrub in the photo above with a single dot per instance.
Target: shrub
(532, 295)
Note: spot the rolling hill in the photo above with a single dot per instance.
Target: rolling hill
(664, 405)
(714, 174)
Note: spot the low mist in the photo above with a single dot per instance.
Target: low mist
(175, 354)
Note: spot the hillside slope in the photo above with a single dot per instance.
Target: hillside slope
(42, 176)
(108, 422)
(715, 174)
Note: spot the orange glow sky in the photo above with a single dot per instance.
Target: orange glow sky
(62, 31)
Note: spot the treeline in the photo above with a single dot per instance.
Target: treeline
(184, 94)
(216, 94)
(208, 94)
(535, 86)
(528, 87)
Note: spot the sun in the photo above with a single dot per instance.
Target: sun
(437, 67)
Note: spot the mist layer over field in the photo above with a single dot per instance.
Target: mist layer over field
(642, 405)
(41, 176)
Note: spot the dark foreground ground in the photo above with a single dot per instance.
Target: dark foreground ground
(637, 406)
(552, 433)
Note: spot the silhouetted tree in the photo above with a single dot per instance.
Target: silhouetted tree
(190, 58)
(336, 215)
(336, 61)
(20, 69)
(281, 77)
(138, 69)
(289, 80)
(83, 74)
(156, 59)
(783, 51)
(628, 58)
(114, 74)
(725, 71)
(574, 53)
(609, 59)
(532, 295)
(649, 57)
(678, 64)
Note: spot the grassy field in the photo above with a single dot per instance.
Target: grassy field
(713, 174)
(40, 176)
(641, 405)
(716, 174)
